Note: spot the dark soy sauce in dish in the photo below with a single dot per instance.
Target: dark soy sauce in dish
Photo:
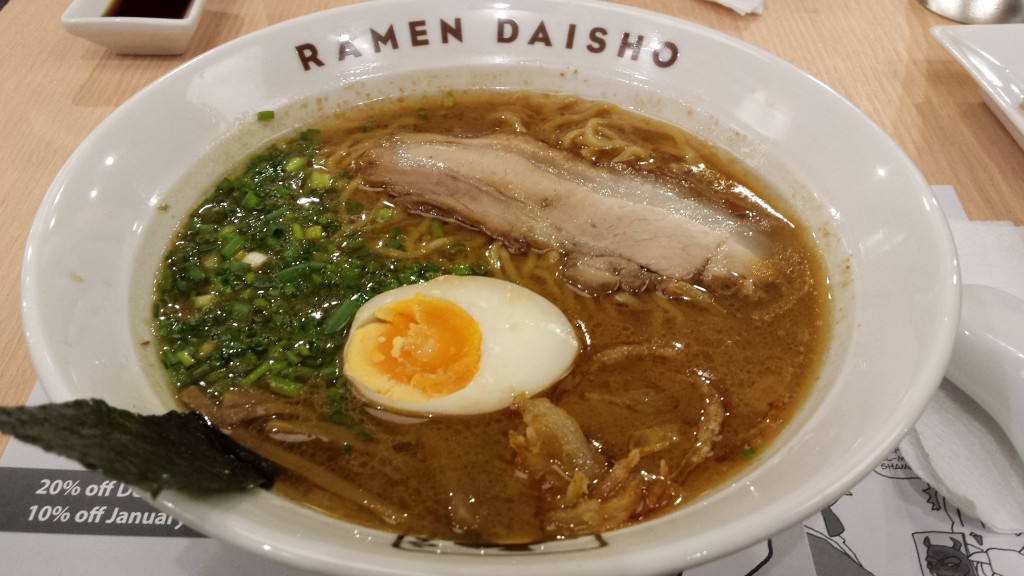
(170, 9)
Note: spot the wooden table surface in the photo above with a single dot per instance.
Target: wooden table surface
(879, 54)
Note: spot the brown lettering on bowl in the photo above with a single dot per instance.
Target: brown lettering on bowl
(633, 46)
(541, 35)
(386, 39)
(665, 54)
(347, 48)
(507, 31)
(308, 55)
(449, 31)
(597, 43)
(418, 33)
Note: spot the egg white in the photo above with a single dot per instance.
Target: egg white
(527, 344)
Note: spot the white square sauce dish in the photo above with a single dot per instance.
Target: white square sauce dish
(133, 26)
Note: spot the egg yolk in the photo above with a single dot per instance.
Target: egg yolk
(429, 344)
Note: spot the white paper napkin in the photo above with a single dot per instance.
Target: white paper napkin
(743, 7)
(955, 446)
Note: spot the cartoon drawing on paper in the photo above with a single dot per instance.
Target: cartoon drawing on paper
(985, 552)
(945, 556)
(831, 553)
(848, 537)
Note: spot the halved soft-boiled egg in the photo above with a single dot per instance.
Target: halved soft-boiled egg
(457, 345)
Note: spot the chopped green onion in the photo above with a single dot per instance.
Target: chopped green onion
(292, 272)
(286, 387)
(232, 244)
(205, 349)
(318, 180)
(265, 115)
(255, 374)
(329, 372)
(435, 229)
(275, 235)
(340, 316)
(448, 100)
(276, 214)
(210, 261)
(194, 273)
(748, 452)
(203, 300)
(239, 267)
(185, 358)
(240, 311)
(199, 371)
(251, 200)
(382, 213)
(295, 164)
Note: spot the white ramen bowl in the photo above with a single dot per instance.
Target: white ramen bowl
(96, 243)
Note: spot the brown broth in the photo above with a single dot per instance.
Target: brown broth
(456, 478)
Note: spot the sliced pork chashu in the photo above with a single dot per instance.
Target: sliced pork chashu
(531, 195)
